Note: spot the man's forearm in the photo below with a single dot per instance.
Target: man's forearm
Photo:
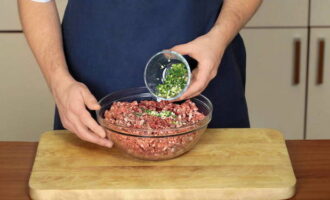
(42, 29)
(233, 16)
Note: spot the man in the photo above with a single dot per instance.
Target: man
(103, 46)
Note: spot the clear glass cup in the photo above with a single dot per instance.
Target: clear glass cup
(157, 68)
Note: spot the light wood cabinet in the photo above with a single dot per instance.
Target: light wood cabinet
(27, 108)
(274, 100)
(281, 13)
(299, 110)
(26, 104)
(318, 104)
(320, 13)
(9, 18)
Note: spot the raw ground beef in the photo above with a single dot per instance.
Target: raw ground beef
(152, 118)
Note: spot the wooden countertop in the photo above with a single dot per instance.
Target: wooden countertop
(310, 159)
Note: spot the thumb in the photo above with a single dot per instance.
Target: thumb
(90, 100)
(183, 49)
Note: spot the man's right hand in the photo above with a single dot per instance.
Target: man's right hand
(42, 28)
(72, 98)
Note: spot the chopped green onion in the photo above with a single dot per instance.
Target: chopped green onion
(138, 114)
(162, 114)
(175, 81)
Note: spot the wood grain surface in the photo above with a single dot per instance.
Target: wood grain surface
(311, 164)
(16, 160)
(310, 160)
(226, 164)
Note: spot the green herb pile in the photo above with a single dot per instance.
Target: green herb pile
(162, 114)
(175, 81)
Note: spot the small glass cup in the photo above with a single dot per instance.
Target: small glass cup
(156, 69)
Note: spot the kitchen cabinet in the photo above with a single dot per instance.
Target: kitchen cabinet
(300, 110)
(281, 13)
(275, 99)
(320, 10)
(318, 103)
(9, 18)
(27, 107)
(61, 5)
(26, 104)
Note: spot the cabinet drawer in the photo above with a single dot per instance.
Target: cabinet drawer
(27, 107)
(9, 19)
(281, 13)
(320, 12)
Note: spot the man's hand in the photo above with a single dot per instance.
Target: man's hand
(71, 98)
(208, 49)
(41, 25)
(208, 53)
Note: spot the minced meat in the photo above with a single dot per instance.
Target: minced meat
(152, 118)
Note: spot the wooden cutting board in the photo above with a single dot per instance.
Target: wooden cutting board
(225, 164)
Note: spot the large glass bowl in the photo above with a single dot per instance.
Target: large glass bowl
(143, 143)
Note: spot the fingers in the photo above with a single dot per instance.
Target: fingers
(201, 76)
(85, 134)
(196, 86)
(184, 49)
(71, 102)
(97, 140)
(89, 99)
(86, 118)
(77, 108)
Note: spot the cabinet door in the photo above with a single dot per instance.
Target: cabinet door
(27, 107)
(320, 12)
(281, 13)
(274, 100)
(318, 110)
(9, 18)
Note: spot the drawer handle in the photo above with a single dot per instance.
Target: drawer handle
(296, 70)
(320, 62)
